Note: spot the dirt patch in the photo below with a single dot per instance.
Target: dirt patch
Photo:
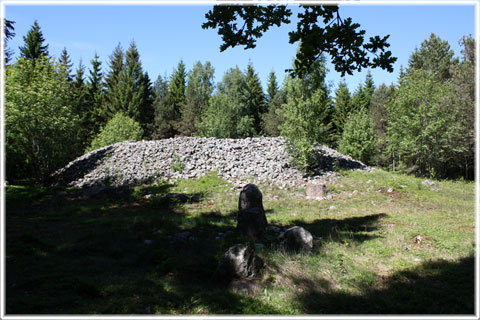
(391, 193)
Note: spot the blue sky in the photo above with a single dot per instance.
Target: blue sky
(164, 34)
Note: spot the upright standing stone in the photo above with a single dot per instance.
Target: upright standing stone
(251, 215)
(250, 197)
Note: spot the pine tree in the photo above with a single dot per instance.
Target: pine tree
(34, 47)
(66, 64)
(434, 56)
(255, 98)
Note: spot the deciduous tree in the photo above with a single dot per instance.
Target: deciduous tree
(320, 30)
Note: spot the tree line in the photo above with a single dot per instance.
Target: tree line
(424, 124)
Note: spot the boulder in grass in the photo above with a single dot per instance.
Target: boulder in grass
(239, 262)
(297, 239)
(316, 190)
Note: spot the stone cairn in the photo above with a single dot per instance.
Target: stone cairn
(238, 161)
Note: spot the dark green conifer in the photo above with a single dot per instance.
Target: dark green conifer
(34, 43)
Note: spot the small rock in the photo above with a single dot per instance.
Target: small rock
(239, 262)
(389, 190)
(417, 239)
(297, 239)
(329, 197)
(332, 208)
(428, 183)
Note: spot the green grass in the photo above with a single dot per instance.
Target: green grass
(66, 254)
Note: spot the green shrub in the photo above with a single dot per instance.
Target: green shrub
(358, 137)
(119, 128)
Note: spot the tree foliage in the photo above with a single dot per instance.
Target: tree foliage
(422, 125)
(197, 94)
(34, 46)
(223, 119)
(226, 116)
(434, 56)
(342, 108)
(40, 123)
(306, 115)
(320, 29)
(9, 34)
(273, 118)
(255, 98)
(118, 129)
(358, 137)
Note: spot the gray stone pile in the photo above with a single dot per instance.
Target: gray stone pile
(257, 160)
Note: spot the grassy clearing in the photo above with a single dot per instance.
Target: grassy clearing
(68, 255)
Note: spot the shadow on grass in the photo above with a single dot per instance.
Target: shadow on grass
(435, 287)
(104, 254)
(356, 229)
(69, 255)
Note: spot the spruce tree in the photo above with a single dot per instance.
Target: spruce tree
(112, 78)
(66, 64)
(34, 43)
(163, 111)
(134, 90)
(9, 34)
(272, 87)
(342, 108)
(256, 105)
(95, 97)
(176, 96)
(382, 96)
(272, 119)
(368, 89)
(82, 105)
